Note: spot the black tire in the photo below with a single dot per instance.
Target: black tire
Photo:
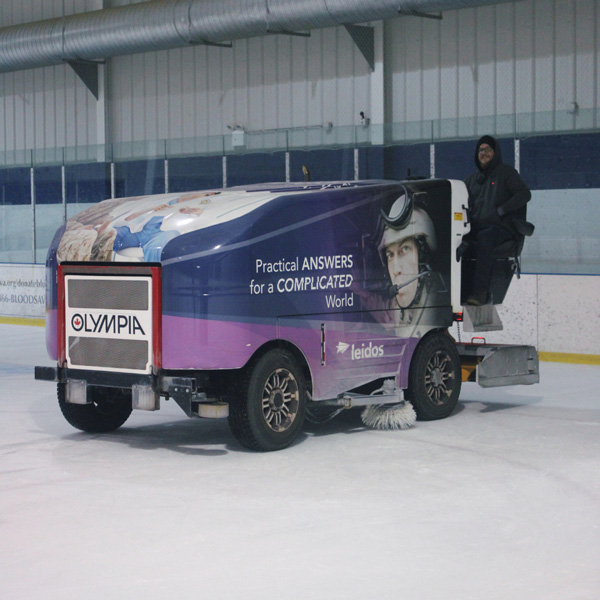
(268, 403)
(434, 378)
(109, 409)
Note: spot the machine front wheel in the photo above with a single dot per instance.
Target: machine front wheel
(268, 404)
(434, 378)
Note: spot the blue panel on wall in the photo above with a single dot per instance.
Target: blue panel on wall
(255, 168)
(323, 165)
(139, 178)
(48, 185)
(371, 163)
(454, 160)
(508, 151)
(88, 183)
(15, 186)
(195, 173)
(561, 161)
(402, 162)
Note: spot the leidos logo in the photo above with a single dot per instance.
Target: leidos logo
(115, 324)
(369, 351)
(342, 347)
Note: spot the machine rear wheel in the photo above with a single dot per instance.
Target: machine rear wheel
(268, 404)
(108, 410)
(434, 379)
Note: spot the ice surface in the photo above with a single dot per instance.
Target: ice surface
(499, 501)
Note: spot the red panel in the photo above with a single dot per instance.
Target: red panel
(157, 317)
(111, 269)
(62, 354)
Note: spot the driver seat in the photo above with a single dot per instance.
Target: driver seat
(507, 263)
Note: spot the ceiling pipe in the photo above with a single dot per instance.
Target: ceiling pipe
(165, 24)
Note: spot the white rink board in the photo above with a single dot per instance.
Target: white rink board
(568, 314)
(22, 290)
(554, 313)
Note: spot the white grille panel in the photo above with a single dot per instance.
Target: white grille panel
(109, 293)
(108, 323)
(114, 355)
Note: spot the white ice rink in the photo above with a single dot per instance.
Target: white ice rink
(501, 501)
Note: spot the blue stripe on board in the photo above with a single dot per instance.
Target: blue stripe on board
(48, 185)
(255, 168)
(456, 159)
(402, 162)
(140, 178)
(547, 162)
(556, 162)
(88, 182)
(371, 162)
(323, 165)
(14, 186)
(195, 173)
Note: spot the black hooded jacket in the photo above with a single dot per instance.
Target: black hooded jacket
(497, 194)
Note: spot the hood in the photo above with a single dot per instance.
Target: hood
(492, 143)
(137, 229)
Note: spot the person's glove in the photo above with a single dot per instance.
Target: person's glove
(464, 246)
